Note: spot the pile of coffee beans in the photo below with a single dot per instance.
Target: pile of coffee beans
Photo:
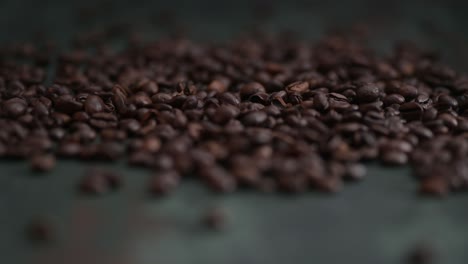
(264, 112)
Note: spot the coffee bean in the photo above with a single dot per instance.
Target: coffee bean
(394, 157)
(14, 107)
(321, 102)
(393, 99)
(94, 104)
(98, 182)
(42, 163)
(215, 219)
(411, 111)
(355, 172)
(67, 104)
(40, 230)
(299, 87)
(218, 179)
(421, 254)
(249, 89)
(435, 186)
(224, 114)
(367, 93)
(164, 182)
(254, 118)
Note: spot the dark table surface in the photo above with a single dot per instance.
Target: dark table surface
(375, 221)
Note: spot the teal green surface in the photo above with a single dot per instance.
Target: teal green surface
(374, 221)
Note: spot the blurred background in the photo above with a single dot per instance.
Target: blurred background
(377, 221)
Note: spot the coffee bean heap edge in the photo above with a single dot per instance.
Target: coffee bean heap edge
(265, 112)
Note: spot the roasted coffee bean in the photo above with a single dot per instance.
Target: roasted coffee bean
(164, 182)
(42, 163)
(215, 218)
(98, 182)
(67, 104)
(218, 179)
(40, 230)
(94, 104)
(224, 114)
(445, 102)
(250, 89)
(435, 186)
(421, 254)
(393, 99)
(321, 102)
(254, 118)
(299, 87)
(367, 93)
(355, 172)
(394, 157)
(14, 107)
(411, 111)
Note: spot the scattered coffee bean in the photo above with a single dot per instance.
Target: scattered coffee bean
(255, 113)
(43, 162)
(421, 254)
(98, 182)
(215, 218)
(164, 182)
(40, 230)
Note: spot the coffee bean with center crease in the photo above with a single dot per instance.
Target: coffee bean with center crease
(411, 111)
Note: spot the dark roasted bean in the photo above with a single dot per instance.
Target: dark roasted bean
(42, 163)
(394, 157)
(367, 93)
(411, 111)
(40, 230)
(249, 89)
(164, 182)
(421, 254)
(254, 118)
(393, 99)
(321, 102)
(215, 219)
(14, 107)
(94, 104)
(299, 87)
(98, 182)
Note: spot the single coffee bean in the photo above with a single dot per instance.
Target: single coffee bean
(254, 118)
(411, 111)
(164, 182)
(367, 93)
(94, 104)
(249, 89)
(394, 157)
(215, 219)
(393, 99)
(98, 182)
(435, 186)
(421, 254)
(42, 163)
(40, 230)
(14, 107)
